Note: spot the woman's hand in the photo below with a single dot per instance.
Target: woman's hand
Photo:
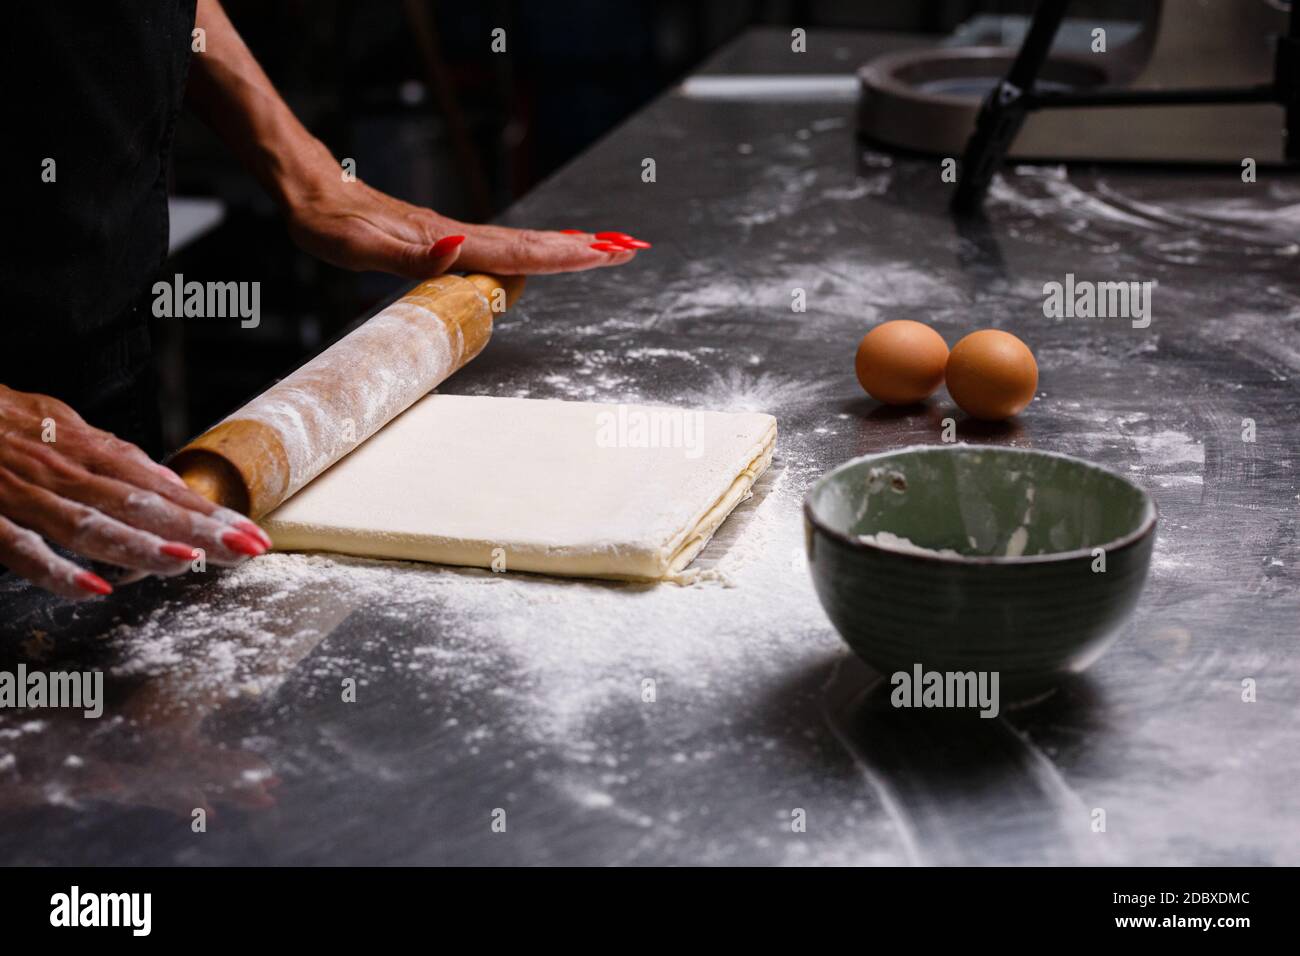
(351, 225)
(347, 223)
(67, 482)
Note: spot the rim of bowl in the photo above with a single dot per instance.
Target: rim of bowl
(882, 72)
(1144, 528)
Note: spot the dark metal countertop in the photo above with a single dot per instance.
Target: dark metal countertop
(479, 693)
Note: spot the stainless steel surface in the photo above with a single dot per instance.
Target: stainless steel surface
(478, 692)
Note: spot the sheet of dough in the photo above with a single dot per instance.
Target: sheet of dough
(554, 487)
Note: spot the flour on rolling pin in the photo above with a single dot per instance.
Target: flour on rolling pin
(278, 442)
(352, 389)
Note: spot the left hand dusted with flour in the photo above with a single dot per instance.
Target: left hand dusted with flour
(69, 483)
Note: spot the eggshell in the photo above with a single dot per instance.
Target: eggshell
(901, 362)
(991, 375)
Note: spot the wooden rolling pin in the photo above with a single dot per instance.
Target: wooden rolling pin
(297, 428)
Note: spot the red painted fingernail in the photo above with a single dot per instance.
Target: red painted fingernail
(445, 245)
(249, 528)
(181, 552)
(607, 247)
(238, 541)
(92, 582)
(572, 232)
(613, 235)
(632, 243)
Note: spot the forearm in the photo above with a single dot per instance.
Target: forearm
(346, 222)
(230, 92)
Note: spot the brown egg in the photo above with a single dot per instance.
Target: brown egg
(901, 362)
(991, 375)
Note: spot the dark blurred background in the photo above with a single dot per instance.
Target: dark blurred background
(411, 90)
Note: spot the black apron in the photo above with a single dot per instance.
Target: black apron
(94, 87)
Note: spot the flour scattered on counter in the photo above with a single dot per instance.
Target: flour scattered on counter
(876, 185)
(1169, 447)
(828, 124)
(782, 195)
(1272, 338)
(642, 354)
(738, 390)
(1086, 210)
(1150, 449)
(553, 652)
(1164, 562)
(841, 293)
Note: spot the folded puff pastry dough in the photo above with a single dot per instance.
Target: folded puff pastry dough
(568, 488)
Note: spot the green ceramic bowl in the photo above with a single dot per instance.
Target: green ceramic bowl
(968, 557)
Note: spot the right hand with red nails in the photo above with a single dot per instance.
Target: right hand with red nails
(342, 219)
(355, 226)
(65, 482)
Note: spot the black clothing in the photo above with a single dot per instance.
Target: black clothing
(96, 88)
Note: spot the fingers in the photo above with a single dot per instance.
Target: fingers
(98, 496)
(226, 537)
(129, 464)
(419, 244)
(533, 252)
(90, 532)
(364, 229)
(384, 253)
(133, 490)
(24, 553)
(436, 260)
(368, 248)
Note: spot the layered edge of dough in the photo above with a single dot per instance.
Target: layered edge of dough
(679, 553)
